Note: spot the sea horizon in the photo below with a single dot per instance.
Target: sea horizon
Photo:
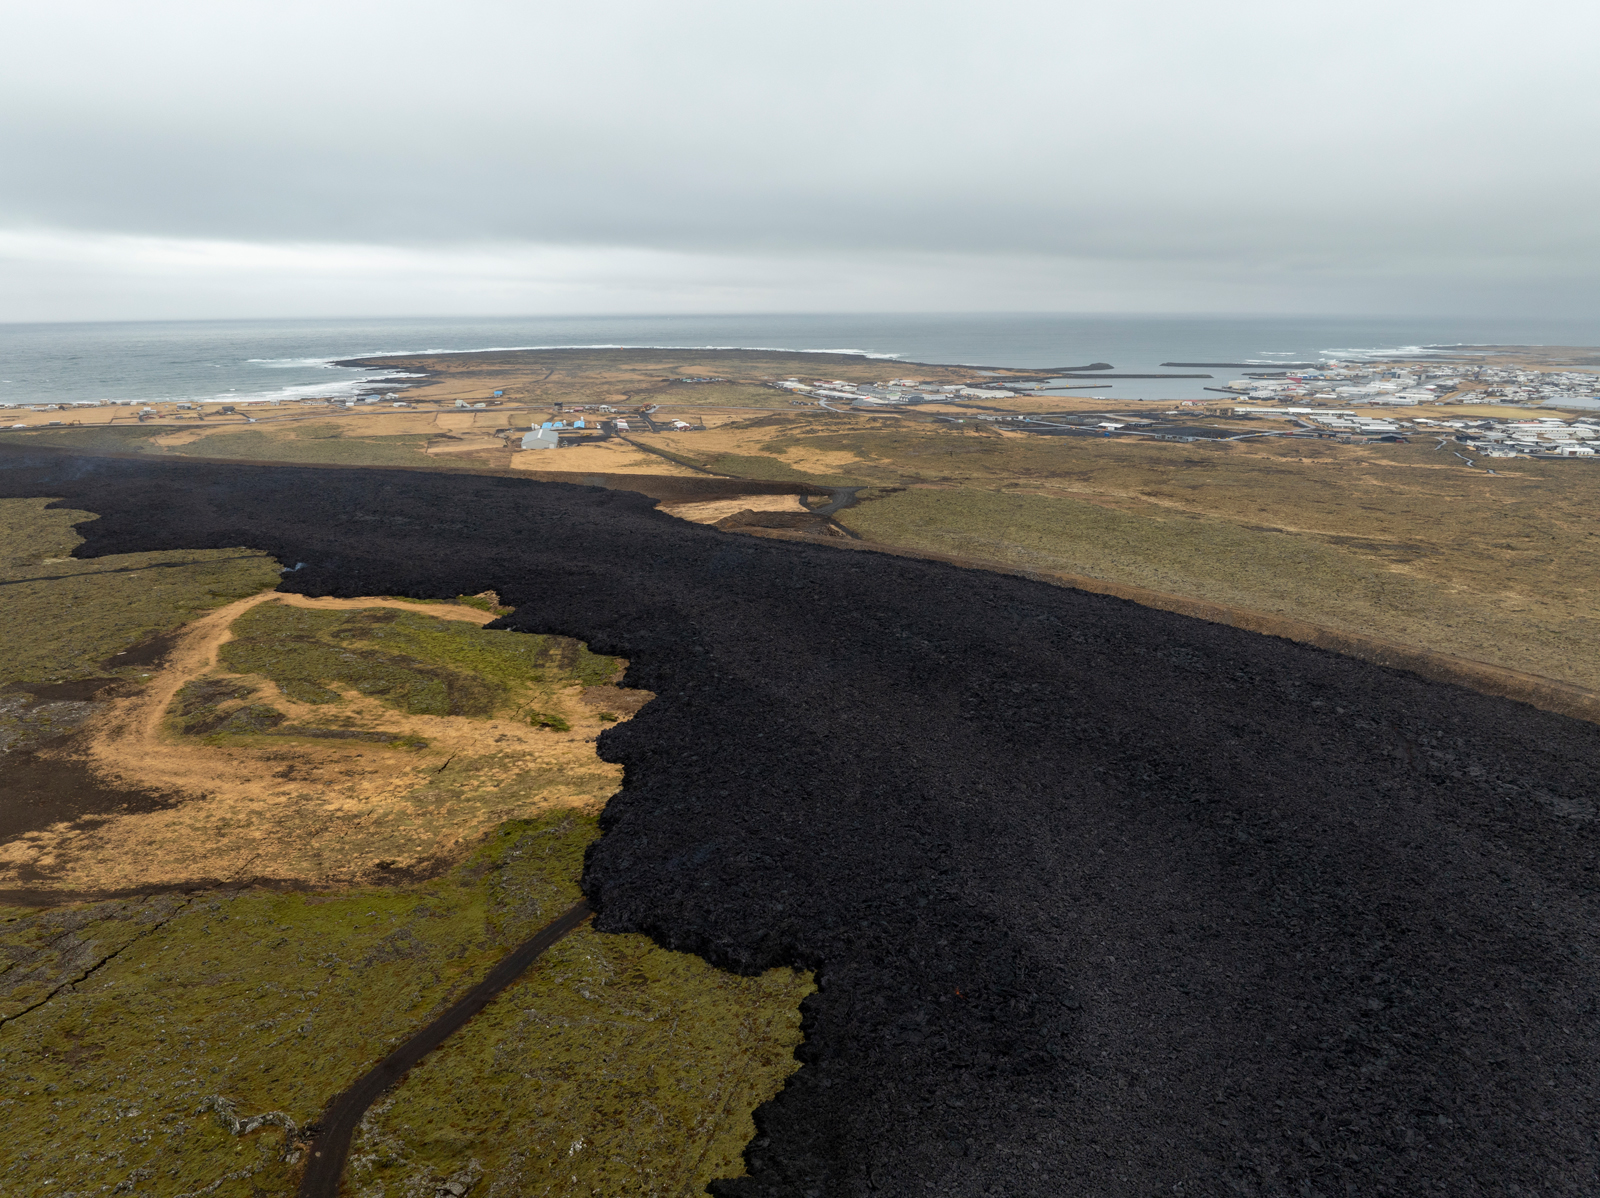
(245, 361)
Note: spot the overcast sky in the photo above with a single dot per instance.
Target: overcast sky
(191, 159)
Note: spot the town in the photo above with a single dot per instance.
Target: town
(1345, 402)
(1405, 386)
(1314, 390)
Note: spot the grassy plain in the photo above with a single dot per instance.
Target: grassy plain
(66, 616)
(1399, 541)
(144, 1040)
(176, 1042)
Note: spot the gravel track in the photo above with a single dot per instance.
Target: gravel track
(330, 1145)
(1104, 900)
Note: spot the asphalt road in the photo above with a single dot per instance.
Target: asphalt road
(331, 1145)
(1102, 900)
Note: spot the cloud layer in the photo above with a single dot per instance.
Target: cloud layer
(1151, 155)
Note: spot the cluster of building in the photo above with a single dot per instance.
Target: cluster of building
(1495, 437)
(1406, 386)
(550, 433)
(1545, 436)
(1513, 385)
(893, 392)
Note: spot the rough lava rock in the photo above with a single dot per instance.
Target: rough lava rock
(1102, 900)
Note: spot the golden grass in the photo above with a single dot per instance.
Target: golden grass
(1399, 541)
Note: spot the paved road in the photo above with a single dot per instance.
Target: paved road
(843, 497)
(332, 1145)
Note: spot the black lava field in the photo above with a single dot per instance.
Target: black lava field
(1103, 900)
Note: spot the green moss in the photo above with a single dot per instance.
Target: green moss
(274, 1002)
(415, 663)
(66, 617)
(171, 1009)
(93, 438)
(311, 443)
(1264, 569)
(324, 430)
(255, 718)
(631, 1069)
(547, 719)
(771, 469)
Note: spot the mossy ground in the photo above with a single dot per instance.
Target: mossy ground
(136, 1033)
(1071, 536)
(65, 617)
(614, 1068)
(94, 438)
(323, 444)
(414, 663)
(275, 1002)
(319, 442)
(1401, 542)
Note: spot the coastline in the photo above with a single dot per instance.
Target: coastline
(251, 360)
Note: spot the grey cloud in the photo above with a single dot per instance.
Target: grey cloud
(1292, 140)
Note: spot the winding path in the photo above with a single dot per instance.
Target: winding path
(332, 1143)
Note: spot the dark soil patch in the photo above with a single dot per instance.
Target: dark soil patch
(799, 521)
(146, 654)
(38, 789)
(618, 700)
(78, 690)
(1103, 899)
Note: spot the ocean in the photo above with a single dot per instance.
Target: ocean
(245, 360)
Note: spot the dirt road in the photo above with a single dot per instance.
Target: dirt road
(331, 1146)
(163, 811)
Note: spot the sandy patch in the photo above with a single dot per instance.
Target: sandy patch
(468, 443)
(321, 812)
(707, 446)
(606, 457)
(711, 510)
(460, 420)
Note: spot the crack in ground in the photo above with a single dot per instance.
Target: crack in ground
(73, 982)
